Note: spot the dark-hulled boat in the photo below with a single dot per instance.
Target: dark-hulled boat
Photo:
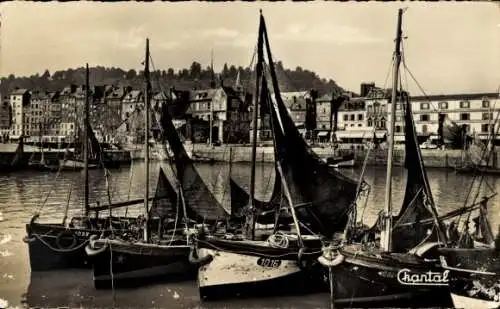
(317, 200)
(62, 244)
(162, 253)
(395, 263)
(473, 265)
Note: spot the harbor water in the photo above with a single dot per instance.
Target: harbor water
(24, 193)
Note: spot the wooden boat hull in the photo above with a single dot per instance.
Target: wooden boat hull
(474, 276)
(375, 280)
(52, 246)
(74, 165)
(244, 269)
(344, 164)
(119, 262)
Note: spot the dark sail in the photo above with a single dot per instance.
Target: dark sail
(240, 199)
(200, 203)
(165, 201)
(322, 198)
(418, 203)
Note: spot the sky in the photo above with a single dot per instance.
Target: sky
(449, 47)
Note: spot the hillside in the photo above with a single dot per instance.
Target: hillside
(188, 78)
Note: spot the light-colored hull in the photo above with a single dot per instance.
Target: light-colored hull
(232, 268)
(349, 163)
(460, 301)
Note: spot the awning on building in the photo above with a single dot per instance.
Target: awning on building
(300, 125)
(359, 134)
(322, 134)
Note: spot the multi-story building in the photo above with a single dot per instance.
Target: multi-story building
(133, 116)
(5, 118)
(225, 109)
(42, 117)
(19, 100)
(476, 112)
(115, 125)
(67, 127)
(324, 117)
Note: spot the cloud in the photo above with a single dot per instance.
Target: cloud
(326, 33)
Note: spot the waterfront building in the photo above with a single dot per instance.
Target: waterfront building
(324, 117)
(19, 100)
(225, 109)
(68, 112)
(42, 117)
(115, 125)
(5, 118)
(476, 112)
(133, 117)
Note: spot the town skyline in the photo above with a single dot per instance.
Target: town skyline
(454, 51)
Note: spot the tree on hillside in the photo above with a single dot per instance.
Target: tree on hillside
(131, 74)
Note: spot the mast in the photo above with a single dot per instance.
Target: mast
(386, 237)
(250, 220)
(85, 142)
(212, 86)
(146, 141)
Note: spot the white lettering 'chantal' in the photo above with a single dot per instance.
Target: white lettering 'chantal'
(405, 276)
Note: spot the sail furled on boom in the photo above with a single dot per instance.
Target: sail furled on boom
(418, 203)
(200, 202)
(165, 201)
(322, 197)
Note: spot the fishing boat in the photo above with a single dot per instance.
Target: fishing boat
(341, 160)
(472, 162)
(395, 262)
(15, 163)
(473, 260)
(474, 271)
(62, 244)
(119, 259)
(316, 199)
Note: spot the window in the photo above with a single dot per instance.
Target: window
(382, 123)
(465, 116)
(487, 116)
(346, 117)
(424, 117)
(424, 128)
(360, 125)
(464, 104)
(352, 117)
(324, 110)
(323, 126)
(208, 105)
(360, 117)
(398, 105)
(424, 105)
(370, 123)
(486, 104)
(398, 129)
(485, 128)
(443, 105)
(294, 99)
(370, 109)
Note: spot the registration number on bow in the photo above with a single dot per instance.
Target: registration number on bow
(272, 263)
(82, 233)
